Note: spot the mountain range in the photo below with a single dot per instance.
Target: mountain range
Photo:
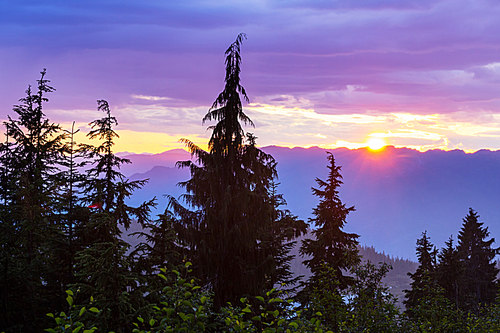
(398, 193)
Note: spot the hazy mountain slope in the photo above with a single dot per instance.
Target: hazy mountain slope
(397, 278)
(398, 193)
(142, 162)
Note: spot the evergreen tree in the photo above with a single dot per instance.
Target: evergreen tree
(158, 251)
(478, 281)
(103, 266)
(330, 246)
(448, 272)
(226, 233)
(29, 228)
(424, 276)
(280, 239)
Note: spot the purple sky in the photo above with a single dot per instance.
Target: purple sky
(422, 74)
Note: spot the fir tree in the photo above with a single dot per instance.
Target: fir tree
(476, 255)
(30, 227)
(103, 266)
(448, 272)
(280, 239)
(331, 245)
(232, 214)
(424, 277)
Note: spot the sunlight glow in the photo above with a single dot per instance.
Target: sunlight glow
(376, 143)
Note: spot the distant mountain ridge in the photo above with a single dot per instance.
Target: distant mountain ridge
(398, 192)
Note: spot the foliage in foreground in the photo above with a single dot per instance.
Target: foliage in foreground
(367, 307)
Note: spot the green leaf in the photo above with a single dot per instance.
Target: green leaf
(176, 272)
(188, 264)
(294, 324)
(50, 315)
(183, 316)
(140, 319)
(94, 309)
(163, 277)
(50, 330)
(276, 313)
(69, 292)
(257, 318)
(82, 311)
(69, 299)
(151, 322)
(260, 298)
(187, 303)
(319, 314)
(203, 300)
(76, 330)
(277, 299)
(247, 309)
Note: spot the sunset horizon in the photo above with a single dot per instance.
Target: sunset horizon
(423, 76)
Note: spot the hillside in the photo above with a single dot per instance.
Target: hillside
(397, 278)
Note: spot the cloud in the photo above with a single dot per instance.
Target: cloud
(153, 59)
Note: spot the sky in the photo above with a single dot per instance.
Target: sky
(419, 74)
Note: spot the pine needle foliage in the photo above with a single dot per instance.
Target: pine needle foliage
(478, 283)
(225, 228)
(330, 244)
(104, 270)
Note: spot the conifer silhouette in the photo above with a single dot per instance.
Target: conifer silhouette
(226, 233)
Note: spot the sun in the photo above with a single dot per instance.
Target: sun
(375, 143)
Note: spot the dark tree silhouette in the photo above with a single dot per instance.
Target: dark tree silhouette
(478, 281)
(286, 227)
(448, 272)
(226, 233)
(30, 229)
(103, 266)
(424, 277)
(330, 245)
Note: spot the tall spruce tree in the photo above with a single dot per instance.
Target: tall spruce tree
(448, 272)
(30, 227)
(224, 231)
(103, 267)
(424, 277)
(478, 282)
(285, 228)
(330, 244)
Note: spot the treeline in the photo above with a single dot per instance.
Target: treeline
(216, 260)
